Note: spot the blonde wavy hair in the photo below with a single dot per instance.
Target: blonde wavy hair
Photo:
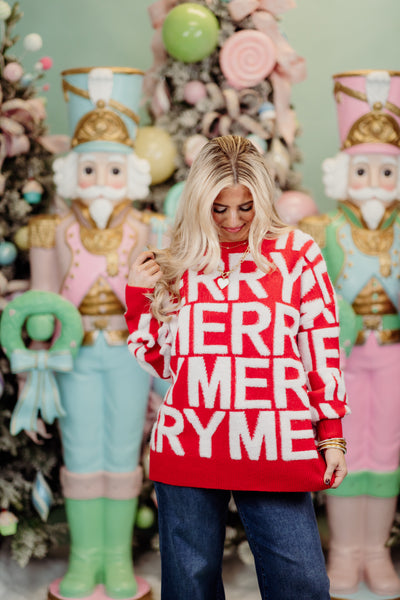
(221, 163)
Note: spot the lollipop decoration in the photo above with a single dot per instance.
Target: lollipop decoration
(247, 58)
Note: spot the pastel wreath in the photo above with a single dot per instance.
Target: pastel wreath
(40, 392)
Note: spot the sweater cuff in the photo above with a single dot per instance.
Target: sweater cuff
(329, 428)
(136, 297)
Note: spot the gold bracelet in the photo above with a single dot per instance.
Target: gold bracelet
(338, 443)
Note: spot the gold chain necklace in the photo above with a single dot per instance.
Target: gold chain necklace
(223, 279)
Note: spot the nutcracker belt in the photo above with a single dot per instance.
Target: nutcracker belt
(113, 327)
(386, 328)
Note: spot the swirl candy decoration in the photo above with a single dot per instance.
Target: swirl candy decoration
(247, 58)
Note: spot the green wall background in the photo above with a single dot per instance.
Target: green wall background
(332, 35)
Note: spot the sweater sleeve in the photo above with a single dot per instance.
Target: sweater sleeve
(149, 340)
(318, 340)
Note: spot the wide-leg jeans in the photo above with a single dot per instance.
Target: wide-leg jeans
(281, 530)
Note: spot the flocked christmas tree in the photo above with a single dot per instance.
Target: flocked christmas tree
(221, 67)
(25, 189)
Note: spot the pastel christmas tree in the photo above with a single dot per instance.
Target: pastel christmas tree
(26, 155)
(221, 68)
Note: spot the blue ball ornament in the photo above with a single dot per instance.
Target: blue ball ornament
(190, 32)
(172, 199)
(8, 253)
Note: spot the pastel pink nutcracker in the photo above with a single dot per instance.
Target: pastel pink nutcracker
(361, 243)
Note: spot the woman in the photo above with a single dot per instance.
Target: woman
(239, 312)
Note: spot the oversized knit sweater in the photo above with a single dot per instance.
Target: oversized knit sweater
(254, 371)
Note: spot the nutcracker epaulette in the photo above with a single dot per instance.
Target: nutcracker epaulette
(315, 226)
(42, 231)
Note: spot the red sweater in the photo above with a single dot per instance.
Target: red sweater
(254, 371)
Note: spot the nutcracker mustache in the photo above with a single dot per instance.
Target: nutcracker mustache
(369, 193)
(101, 191)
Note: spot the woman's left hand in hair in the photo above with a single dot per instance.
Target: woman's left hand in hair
(145, 271)
(335, 464)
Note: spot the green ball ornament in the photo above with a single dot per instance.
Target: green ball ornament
(190, 32)
(40, 327)
(145, 517)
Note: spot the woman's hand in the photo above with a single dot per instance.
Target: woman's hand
(145, 271)
(335, 464)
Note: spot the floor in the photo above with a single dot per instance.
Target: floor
(32, 582)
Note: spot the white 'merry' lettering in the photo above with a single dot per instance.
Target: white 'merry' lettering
(205, 433)
(322, 275)
(288, 434)
(174, 375)
(243, 382)
(305, 350)
(240, 329)
(171, 432)
(282, 384)
(288, 277)
(310, 311)
(220, 378)
(282, 330)
(194, 280)
(182, 337)
(333, 384)
(239, 432)
(202, 326)
(321, 352)
(251, 279)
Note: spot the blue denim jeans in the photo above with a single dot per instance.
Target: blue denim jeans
(281, 529)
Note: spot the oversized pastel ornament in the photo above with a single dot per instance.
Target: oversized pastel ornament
(192, 147)
(190, 32)
(13, 72)
(172, 199)
(267, 111)
(5, 10)
(161, 101)
(40, 327)
(33, 42)
(32, 191)
(194, 91)
(258, 142)
(157, 147)
(247, 58)
(8, 253)
(280, 159)
(21, 238)
(8, 523)
(294, 205)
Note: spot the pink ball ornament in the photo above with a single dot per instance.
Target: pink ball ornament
(293, 206)
(46, 63)
(13, 72)
(192, 147)
(247, 58)
(194, 91)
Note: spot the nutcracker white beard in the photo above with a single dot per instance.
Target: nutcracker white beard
(102, 200)
(372, 203)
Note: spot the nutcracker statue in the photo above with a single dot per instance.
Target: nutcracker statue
(361, 244)
(84, 255)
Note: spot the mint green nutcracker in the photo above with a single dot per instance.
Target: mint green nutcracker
(360, 241)
(83, 253)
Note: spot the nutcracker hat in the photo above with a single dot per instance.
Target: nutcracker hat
(368, 109)
(102, 104)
